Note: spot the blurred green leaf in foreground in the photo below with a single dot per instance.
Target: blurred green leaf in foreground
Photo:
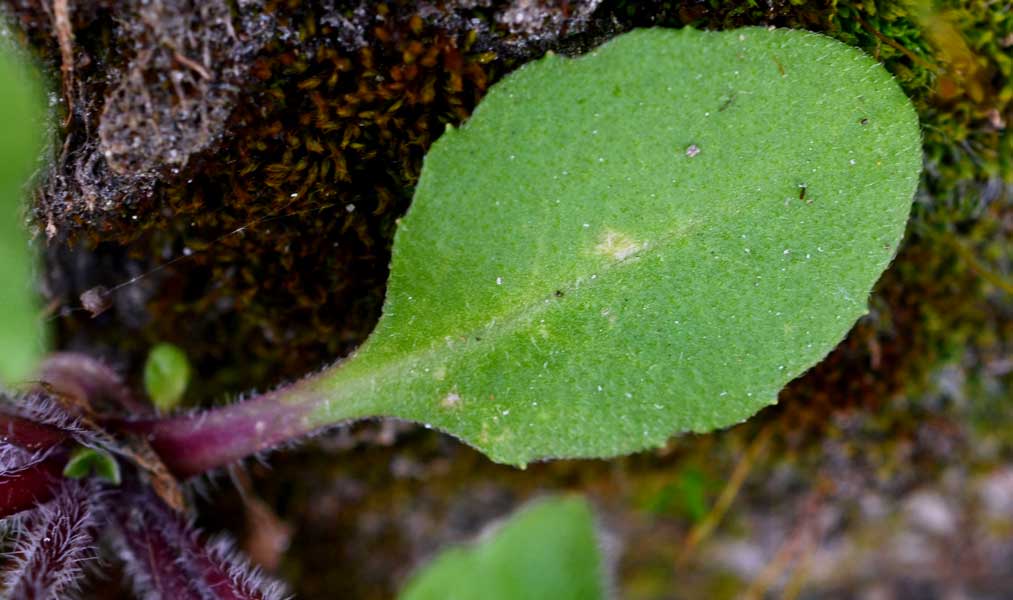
(548, 550)
(22, 110)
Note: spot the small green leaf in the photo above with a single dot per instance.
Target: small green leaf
(91, 461)
(22, 111)
(166, 375)
(650, 239)
(547, 551)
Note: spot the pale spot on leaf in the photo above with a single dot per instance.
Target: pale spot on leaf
(451, 400)
(618, 246)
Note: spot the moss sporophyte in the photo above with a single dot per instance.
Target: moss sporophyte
(610, 251)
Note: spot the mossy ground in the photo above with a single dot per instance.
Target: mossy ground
(264, 256)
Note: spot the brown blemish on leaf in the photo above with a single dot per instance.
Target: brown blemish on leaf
(780, 67)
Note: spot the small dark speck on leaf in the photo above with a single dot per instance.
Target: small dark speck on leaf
(727, 103)
(559, 293)
(864, 121)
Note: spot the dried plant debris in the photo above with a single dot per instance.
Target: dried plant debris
(534, 19)
(517, 27)
(174, 96)
(141, 99)
(351, 26)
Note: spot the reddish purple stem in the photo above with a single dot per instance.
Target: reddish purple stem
(28, 434)
(81, 376)
(58, 538)
(168, 558)
(153, 562)
(192, 444)
(30, 486)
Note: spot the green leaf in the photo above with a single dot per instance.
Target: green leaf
(90, 461)
(22, 110)
(650, 239)
(687, 496)
(166, 375)
(546, 551)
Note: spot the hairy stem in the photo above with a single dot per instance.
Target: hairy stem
(58, 539)
(194, 443)
(153, 563)
(166, 556)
